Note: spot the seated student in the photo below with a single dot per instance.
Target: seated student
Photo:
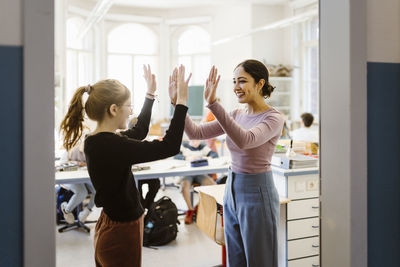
(195, 149)
(305, 133)
(80, 191)
(154, 184)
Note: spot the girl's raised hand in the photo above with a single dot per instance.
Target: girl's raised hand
(172, 88)
(150, 80)
(210, 91)
(182, 86)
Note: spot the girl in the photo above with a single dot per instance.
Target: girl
(251, 202)
(110, 155)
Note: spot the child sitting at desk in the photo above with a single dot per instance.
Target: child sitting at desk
(81, 191)
(193, 150)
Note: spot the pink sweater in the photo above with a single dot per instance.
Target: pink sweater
(251, 139)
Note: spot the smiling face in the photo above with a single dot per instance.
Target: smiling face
(245, 88)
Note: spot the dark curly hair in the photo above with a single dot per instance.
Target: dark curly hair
(258, 71)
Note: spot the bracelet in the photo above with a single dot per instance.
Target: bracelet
(148, 95)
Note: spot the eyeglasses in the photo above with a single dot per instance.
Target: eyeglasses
(131, 106)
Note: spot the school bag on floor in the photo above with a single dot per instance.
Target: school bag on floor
(160, 223)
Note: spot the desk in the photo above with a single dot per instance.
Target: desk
(207, 218)
(158, 169)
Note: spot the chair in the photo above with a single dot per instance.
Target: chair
(77, 224)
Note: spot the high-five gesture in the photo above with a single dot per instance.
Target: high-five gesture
(210, 91)
(172, 88)
(150, 80)
(182, 86)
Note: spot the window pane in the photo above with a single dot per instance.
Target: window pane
(120, 68)
(201, 68)
(73, 26)
(314, 30)
(85, 69)
(194, 40)
(73, 29)
(71, 75)
(132, 39)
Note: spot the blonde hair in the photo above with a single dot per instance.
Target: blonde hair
(102, 95)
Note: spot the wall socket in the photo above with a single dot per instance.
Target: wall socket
(312, 185)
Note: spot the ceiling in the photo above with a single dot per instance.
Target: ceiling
(190, 3)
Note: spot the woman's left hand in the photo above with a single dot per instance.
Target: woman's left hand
(150, 80)
(210, 91)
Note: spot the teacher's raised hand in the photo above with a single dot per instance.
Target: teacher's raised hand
(210, 91)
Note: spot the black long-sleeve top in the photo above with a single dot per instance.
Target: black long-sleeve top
(110, 157)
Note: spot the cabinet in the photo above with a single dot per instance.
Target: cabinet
(281, 97)
(302, 221)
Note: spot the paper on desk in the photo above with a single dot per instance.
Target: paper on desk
(219, 161)
(165, 164)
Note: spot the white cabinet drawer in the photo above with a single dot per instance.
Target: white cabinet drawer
(303, 208)
(307, 262)
(303, 248)
(303, 186)
(302, 228)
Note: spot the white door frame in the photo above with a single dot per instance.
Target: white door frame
(38, 134)
(342, 121)
(343, 126)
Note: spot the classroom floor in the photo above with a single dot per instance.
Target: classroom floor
(192, 248)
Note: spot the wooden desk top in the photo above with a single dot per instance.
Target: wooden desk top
(217, 191)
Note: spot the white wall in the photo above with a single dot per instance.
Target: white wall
(383, 31)
(268, 45)
(11, 22)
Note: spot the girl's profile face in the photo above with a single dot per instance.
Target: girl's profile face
(244, 86)
(124, 111)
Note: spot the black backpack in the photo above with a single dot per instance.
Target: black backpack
(160, 223)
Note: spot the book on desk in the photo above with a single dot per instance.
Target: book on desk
(293, 162)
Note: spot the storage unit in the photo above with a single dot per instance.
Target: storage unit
(281, 97)
(301, 186)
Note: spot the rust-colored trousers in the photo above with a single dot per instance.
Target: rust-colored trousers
(118, 244)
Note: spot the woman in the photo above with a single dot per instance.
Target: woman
(110, 155)
(251, 202)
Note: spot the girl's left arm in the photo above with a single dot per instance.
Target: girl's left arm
(140, 130)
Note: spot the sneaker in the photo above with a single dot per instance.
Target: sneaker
(68, 216)
(83, 215)
(189, 217)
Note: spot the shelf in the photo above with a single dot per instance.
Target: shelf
(274, 78)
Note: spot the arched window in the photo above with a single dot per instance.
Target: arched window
(193, 50)
(79, 58)
(130, 46)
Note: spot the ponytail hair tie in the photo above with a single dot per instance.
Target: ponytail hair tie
(88, 88)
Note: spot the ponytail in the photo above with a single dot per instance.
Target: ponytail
(72, 125)
(267, 90)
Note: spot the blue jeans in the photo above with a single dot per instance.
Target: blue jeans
(251, 218)
(80, 193)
